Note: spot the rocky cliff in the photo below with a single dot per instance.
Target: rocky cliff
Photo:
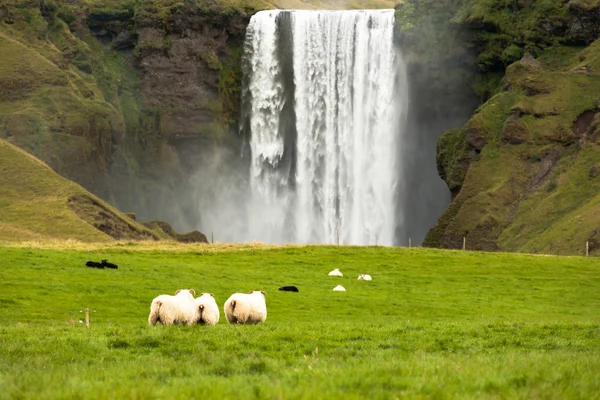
(523, 171)
(118, 96)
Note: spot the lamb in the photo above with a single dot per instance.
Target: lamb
(247, 309)
(208, 310)
(173, 310)
(335, 272)
(364, 277)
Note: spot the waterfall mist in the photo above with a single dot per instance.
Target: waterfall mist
(324, 108)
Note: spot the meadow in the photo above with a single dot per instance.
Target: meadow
(431, 324)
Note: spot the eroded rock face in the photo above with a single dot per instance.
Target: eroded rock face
(515, 130)
(585, 21)
(475, 133)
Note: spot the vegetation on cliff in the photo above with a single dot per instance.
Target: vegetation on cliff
(523, 170)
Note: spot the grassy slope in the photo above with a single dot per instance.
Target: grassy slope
(432, 324)
(539, 195)
(50, 104)
(34, 201)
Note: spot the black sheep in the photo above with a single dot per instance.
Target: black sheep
(289, 288)
(109, 265)
(94, 264)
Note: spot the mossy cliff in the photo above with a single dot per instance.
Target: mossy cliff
(524, 170)
(116, 94)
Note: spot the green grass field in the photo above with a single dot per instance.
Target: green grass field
(431, 324)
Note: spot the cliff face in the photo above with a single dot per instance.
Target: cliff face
(119, 96)
(523, 170)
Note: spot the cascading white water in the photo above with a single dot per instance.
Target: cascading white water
(322, 105)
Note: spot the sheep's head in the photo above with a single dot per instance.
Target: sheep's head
(190, 292)
(257, 291)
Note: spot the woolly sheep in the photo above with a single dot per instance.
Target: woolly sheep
(335, 272)
(208, 309)
(364, 277)
(241, 308)
(339, 288)
(173, 310)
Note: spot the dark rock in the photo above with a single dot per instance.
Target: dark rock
(124, 40)
(585, 21)
(594, 171)
(162, 225)
(515, 130)
(192, 237)
(583, 122)
(475, 134)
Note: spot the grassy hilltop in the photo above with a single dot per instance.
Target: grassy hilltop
(431, 324)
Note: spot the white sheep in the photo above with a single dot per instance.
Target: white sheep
(173, 310)
(339, 288)
(335, 272)
(364, 277)
(241, 308)
(208, 309)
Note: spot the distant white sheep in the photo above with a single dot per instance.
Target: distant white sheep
(335, 272)
(241, 308)
(364, 277)
(339, 288)
(173, 310)
(208, 309)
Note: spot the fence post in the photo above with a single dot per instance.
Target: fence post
(587, 248)
(409, 242)
(212, 238)
(464, 243)
(337, 234)
(87, 317)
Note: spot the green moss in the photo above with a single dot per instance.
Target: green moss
(230, 84)
(537, 196)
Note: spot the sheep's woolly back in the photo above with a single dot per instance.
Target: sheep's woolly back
(335, 272)
(241, 308)
(364, 277)
(172, 310)
(208, 310)
(339, 288)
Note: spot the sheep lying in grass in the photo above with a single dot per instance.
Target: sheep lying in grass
(173, 310)
(364, 277)
(339, 288)
(248, 309)
(208, 310)
(335, 272)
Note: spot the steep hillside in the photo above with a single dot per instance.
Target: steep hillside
(524, 170)
(36, 203)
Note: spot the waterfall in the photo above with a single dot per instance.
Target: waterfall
(323, 104)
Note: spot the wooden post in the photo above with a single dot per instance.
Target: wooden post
(587, 248)
(87, 317)
(464, 243)
(409, 242)
(212, 237)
